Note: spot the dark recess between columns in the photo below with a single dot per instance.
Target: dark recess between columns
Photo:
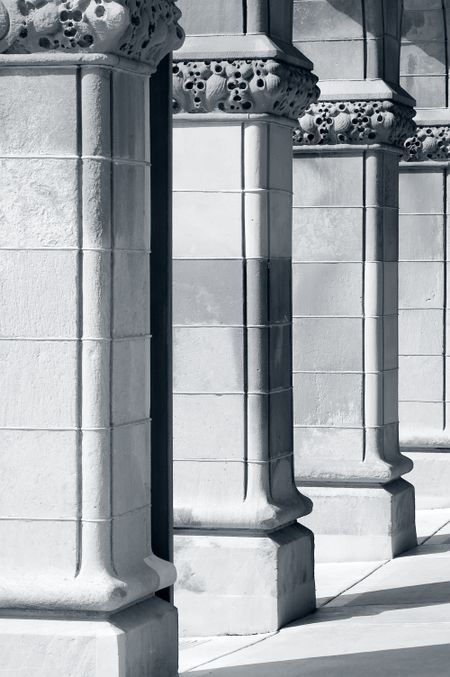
(161, 314)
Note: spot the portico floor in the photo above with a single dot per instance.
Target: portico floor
(374, 619)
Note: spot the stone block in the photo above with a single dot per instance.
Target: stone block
(258, 278)
(423, 26)
(51, 544)
(317, 447)
(421, 192)
(206, 17)
(208, 359)
(326, 234)
(130, 540)
(208, 426)
(269, 358)
(95, 394)
(421, 237)
(200, 488)
(46, 213)
(421, 378)
(335, 59)
(390, 342)
(328, 399)
(388, 243)
(269, 424)
(390, 287)
(243, 584)
(44, 464)
(420, 418)
(50, 94)
(327, 289)
(390, 396)
(362, 523)
(215, 218)
(130, 380)
(421, 284)
(208, 292)
(389, 184)
(130, 467)
(217, 146)
(131, 205)
(280, 149)
(427, 90)
(327, 344)
(130, 124)
(328, 180)
(426, 58)
(421, 332)
(268, 224)
(141, 640)
(320, 20)
(96, 209)
(43, 375)
(131, 291)
(38, 294)
(280, 224)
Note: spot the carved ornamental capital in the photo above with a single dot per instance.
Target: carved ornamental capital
(242, 86)
(429, 143)
(144, 30)
(355, 122)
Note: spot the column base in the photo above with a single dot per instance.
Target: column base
(361, 523)
(243, 584)
(140, 641)
(430, 477)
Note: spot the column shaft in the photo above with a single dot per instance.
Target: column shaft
(345, 255)
(77, 573)
(244, 563)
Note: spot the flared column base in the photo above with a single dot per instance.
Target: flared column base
(430, 477)
(138, 642)
(243, 584)
(362, 523)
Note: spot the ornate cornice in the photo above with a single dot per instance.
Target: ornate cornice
(242, 86)
(144, 30)
(355, 122)
(429, 143)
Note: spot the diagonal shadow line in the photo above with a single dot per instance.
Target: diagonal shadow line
(418, 661)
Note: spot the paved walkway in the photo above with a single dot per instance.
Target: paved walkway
(375, 619)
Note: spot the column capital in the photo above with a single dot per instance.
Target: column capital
(355, 122)
(144, 31)
(429, 143)
(243, 85)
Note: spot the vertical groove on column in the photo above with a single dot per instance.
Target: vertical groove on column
(364, 32)
(444, 338)
(363, 244)
(79, 405)
(244, 310)
(269, 310)
(383, 34)
(111, 317)
(244, 16)
(444, 20)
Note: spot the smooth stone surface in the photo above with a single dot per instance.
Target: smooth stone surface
(138, 642)
(243, 584)
(361, 523)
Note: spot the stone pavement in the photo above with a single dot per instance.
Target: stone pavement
(374, 619)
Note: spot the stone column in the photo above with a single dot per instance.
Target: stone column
(423, 284)
(245, 565)
(345, 253)
(77, 574)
